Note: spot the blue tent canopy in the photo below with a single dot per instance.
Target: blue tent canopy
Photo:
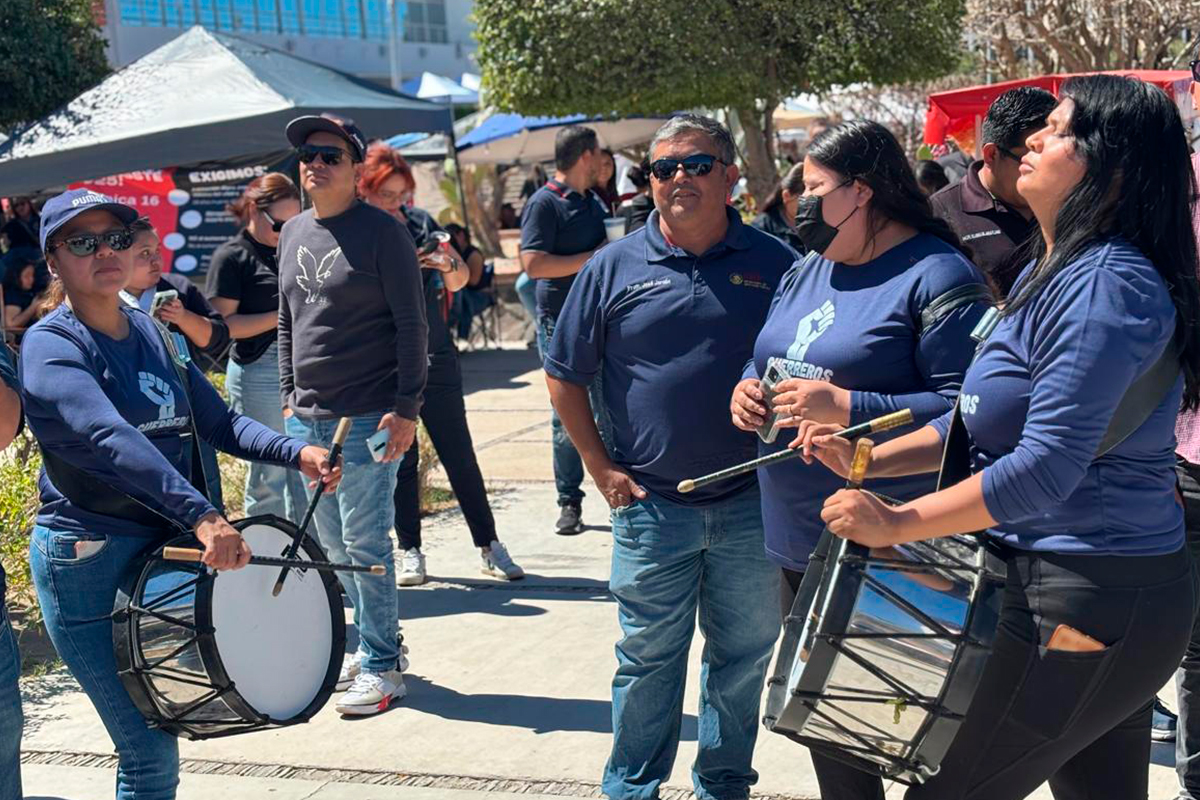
(516, 139)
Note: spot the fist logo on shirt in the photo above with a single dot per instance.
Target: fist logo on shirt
(809, 329)
(159, 392)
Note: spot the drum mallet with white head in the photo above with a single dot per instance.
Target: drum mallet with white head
(877, 425)
(195, 556)
(335, 450)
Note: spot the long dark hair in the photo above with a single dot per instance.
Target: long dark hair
(793, 181)
(867, 151)
(1139, 187)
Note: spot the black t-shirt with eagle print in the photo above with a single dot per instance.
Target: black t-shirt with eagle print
(353, 335)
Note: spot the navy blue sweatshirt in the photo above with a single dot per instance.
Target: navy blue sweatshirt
(1038, 400)
(858, 327)
(116, 409)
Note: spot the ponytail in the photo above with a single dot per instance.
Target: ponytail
(54, 296)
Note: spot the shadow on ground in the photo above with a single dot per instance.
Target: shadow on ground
(538, 714)
(496, 369)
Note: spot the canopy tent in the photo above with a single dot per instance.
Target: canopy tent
(514, 139)
(440, 89)
(958, 115)
(797, 112)
(201, 97)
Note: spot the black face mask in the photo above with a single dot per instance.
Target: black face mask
(815, 233)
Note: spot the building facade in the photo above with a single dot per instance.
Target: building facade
(349, 35)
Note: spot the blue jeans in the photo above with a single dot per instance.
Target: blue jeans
(11, 719)
(76, 596)
(670, 561)
(354, 525)
(568, 466)
(254, 391)
(526, 290)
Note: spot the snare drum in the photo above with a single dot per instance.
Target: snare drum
(883, 649)
(206, 654)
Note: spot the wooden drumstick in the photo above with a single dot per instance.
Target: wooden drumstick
(335, 450)
(877, 425)
(195, 556)
(859, 463)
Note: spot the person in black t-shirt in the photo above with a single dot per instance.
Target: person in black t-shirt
(243, 285)
(20, 279)
(473, 298)
(22, 229)
(637, 211)
(387, 182)
(778, 216)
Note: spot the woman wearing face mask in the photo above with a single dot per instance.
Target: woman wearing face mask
(778, 216)
(846, 325)
(104, 397)
(243, 285)
(386, 182)
(1100, 597)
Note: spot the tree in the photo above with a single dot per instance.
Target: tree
(50, 51)
(1042, 36)
(746, 56)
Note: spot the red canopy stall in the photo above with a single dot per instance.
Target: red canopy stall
(958, 115)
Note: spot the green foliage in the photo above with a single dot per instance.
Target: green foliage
(19, 468)
(50, 51)
(606, 56)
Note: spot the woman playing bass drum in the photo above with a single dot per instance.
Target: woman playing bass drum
(107, 401)
(1100, 596)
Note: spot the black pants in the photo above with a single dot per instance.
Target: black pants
(1187, 679)
(445, 416)
(1078, 720)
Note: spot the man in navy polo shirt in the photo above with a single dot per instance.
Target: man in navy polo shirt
(667, 317)
(561, 226)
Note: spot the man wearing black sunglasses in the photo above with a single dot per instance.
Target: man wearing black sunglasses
(666, 318)
(352, 342)
(984, 208)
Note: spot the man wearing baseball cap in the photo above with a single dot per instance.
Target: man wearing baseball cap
(352, 343)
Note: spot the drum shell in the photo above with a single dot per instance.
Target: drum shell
(151, 691)
(846, 601)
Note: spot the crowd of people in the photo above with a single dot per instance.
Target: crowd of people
(861, 282)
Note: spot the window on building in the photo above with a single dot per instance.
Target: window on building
(375, 13)
(224, 15)
(180, 13)
(425, 21)
(131, 12)
(352, 13)
(267, 16)
(289, 15)
(207, 15)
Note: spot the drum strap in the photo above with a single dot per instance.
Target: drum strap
(1138, 403)
(97, 496)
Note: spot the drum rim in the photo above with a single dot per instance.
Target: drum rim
(138, 682)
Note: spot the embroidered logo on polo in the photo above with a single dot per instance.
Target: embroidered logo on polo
(750, 279)
(162, 395)
(313, 274)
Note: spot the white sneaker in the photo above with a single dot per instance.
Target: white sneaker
(352, 666)
(498, 563)
(412, 568)
(371, 693)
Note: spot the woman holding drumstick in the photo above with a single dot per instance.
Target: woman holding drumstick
(1101, 595)
(105, 396)
(875, 319)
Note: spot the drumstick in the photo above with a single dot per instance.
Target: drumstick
(859, 463)
(877, 425)
(335, 449)
(190, 554)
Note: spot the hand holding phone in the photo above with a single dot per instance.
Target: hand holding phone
(772, 377)
(377, 444)
(161, 299)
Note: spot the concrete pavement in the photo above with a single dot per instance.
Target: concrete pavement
(509, 683)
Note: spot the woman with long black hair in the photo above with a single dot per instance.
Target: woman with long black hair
(876, 318)
(778, 214)
(1101, 594)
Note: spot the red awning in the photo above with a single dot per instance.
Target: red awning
(957, 115)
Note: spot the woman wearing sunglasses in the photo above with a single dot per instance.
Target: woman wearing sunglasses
(104, 397)
(846, 330)
(386, 181)
(1100, 596)
(243, 285)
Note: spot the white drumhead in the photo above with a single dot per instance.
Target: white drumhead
(275, 649)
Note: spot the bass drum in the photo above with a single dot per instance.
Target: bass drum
(207, 654)
(883, 649)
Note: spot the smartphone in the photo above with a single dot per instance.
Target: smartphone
(773, 376)
(377, 443)
(161, 299)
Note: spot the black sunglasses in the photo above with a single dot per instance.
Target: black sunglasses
(695, 165)
(87, 243)
(276, 225)
(307, 153)
(1195, 72)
